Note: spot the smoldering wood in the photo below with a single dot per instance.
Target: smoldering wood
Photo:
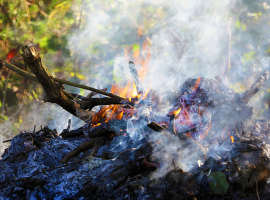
(108, 128)
(125, 173)
(92, 102)
(246, 96)
(84, 146)
(156, 127)
(135, 77)
(73, 133)
(172, 124)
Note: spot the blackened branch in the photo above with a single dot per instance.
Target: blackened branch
(253, 89)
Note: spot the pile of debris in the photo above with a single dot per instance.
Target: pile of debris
(207, 146)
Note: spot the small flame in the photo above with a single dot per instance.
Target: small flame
(176, 112)
(142, 57)
(99, 115)
(197, 84)
(120, 115)
(232, 139)
(135, 93)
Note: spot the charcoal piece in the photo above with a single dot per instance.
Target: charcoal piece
(38, 193)
(2, 178)
(73, 133)
(156, 127)
(108, 128)
(242, 148)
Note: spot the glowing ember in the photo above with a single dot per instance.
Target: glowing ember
(176, 113)
(232, 139)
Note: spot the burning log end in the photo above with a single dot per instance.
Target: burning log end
(135, 77)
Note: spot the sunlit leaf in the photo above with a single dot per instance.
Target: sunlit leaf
(60, 10)
(78, 75)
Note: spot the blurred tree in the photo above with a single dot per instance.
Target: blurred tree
(45, 23)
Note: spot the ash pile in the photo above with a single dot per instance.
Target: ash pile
(206, 146)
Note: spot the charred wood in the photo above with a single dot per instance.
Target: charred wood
(108, 128)
(53, 91)
(73, 133)
(244, 98)
(84, 146)
(156, 127)
(92, 102)
(135, 77)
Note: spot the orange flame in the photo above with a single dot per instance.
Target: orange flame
(120, 115)
(232, 139)
(135, 93)
(99, 115)
(110, 112)
(176, 112)
(197, 84)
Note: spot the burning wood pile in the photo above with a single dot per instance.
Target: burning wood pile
(207, 146)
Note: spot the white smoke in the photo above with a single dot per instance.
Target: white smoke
(186, 39)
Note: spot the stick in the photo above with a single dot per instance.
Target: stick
(254, 88)
(53, 91)
(84, 146)
(90, 103)
(135, 77)
(62, 81)
(28, 75)
(7, 140)
(156, 127)
(108, 128)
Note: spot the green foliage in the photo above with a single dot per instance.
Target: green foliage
(218, 183)
(42, 22)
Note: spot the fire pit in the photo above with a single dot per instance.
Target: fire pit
(207, 145)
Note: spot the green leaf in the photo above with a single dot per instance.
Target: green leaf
(0, 104)
(135, 47)
(218, 183)
(60, 10)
